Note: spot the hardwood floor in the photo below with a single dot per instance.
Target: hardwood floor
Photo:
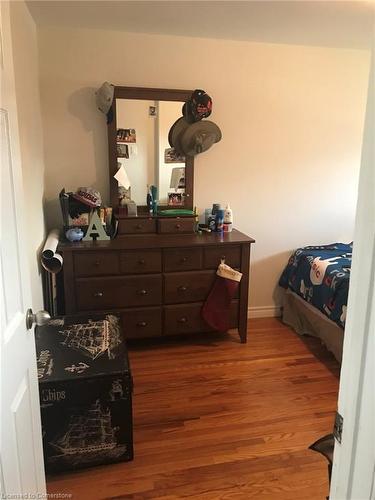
(216, 419)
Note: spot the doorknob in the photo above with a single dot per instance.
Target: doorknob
(40, 318)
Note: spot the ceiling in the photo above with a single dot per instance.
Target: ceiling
(327, 23)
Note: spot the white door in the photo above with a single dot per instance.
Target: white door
(354, 459)
(22, 470)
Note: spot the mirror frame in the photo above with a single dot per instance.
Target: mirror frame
(149, 94)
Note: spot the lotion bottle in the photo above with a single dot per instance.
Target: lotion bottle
(228, 219)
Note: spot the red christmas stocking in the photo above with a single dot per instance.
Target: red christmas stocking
(216, 310)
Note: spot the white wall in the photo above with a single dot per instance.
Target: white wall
(291, 116)
(25, 55)
(169, 112)
(140, 168)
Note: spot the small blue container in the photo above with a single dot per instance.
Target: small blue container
(219, 221)
(74, 234)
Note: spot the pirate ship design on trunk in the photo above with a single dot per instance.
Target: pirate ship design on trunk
(94, 338)
(85, 398)
(89, 437)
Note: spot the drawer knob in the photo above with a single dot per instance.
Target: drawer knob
(142, 292)
(142, 324)
(184, 259)
(182, 320)
(97, 263)
(98, 294)
(182, 288)
(141, 262)
(178, 226)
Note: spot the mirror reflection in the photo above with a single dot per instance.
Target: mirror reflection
(144, 151)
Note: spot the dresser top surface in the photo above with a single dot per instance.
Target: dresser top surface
(128, 242)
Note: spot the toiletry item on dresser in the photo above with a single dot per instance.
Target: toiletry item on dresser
(154, 196)
(209, 219)
(207, 214)
(228, 219)
(215, 208)
(151, 200)
(211, 223)
(219, 220)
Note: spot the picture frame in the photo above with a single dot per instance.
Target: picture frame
(172, 156)
(126, 135)
(176, 199)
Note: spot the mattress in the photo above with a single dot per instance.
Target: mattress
(320, 275)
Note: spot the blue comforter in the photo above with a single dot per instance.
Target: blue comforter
(320, 275)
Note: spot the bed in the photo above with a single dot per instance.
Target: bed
(316, 280)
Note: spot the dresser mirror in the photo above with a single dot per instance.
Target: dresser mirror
(138, 144)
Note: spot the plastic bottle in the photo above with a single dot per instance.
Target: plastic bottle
(211, 222)
(220, 221)
(215, 208)
(149, 200)
(228, 215)
(228, 219)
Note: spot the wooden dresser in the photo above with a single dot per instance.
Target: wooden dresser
(156, 282)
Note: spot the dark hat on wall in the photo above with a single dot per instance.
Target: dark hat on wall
(175, 133)
(191, 135)
(187, 113)
(199, 137)
(171, 132)
(197, 107)
(201, 104)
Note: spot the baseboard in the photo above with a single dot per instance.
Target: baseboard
(264, 312)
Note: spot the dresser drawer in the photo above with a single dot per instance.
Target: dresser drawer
(136, 226)
(141, 323)
(96, 263)
(140, 261)
(176, 225)
(187, 318)
(118, 292)
(213, 256)
(187, 287)
(180, 259)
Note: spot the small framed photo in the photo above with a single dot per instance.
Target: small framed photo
(171, 156)
(122, 150)
(175, 199)
(126, 135)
